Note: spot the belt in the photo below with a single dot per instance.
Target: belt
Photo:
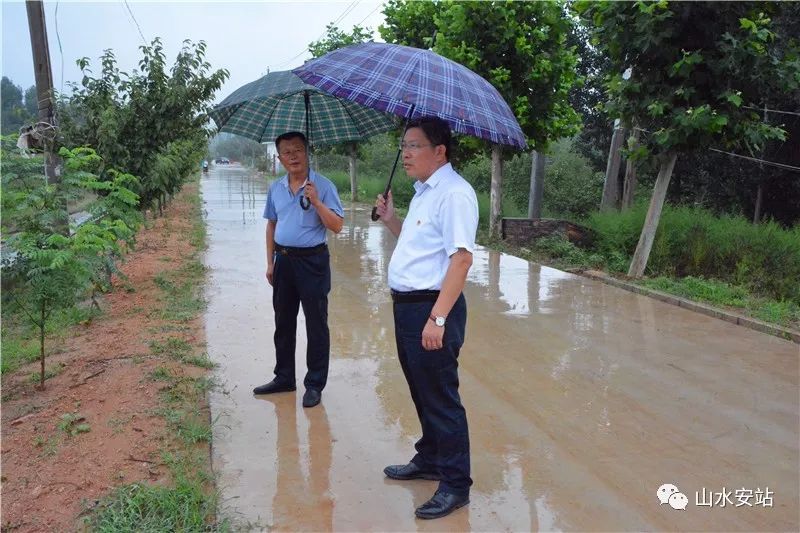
(300, 252)
(413, 297)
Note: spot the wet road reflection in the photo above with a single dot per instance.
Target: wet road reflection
(582, 398)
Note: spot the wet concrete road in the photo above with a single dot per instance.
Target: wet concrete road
(582, 399)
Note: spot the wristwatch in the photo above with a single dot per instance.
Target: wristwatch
(438, 320)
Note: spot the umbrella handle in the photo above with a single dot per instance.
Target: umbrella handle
(375, 217)
(305, 203)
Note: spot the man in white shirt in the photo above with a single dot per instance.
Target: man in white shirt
(427, 273)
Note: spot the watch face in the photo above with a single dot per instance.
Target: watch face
(440, 321)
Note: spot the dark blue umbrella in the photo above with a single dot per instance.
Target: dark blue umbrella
(411, 82)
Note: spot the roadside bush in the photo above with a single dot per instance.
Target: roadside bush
(692, 241)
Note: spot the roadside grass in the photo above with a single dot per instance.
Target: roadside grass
(189, 502)
(185, 506)
(182, 299)
(719, 293)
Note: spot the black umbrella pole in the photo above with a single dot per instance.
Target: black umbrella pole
(375, 215)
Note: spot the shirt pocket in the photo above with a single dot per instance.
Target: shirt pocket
(310, 218)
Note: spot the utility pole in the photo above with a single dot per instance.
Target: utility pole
(46, 126)
(44, 82)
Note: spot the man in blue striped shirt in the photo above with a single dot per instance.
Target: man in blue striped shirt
(301, 207)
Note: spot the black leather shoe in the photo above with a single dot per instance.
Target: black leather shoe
(273, 386)
(409, 471)
(441, 504)
(311, 398)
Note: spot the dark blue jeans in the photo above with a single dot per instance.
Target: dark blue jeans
(307, 281)
(433, 382)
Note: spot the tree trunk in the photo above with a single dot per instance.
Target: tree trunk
(41, 347)
(759, 202)
(642, 253)
(629, 187)
(496, 192)
(537, 185)
(610, 198)
(353, 184)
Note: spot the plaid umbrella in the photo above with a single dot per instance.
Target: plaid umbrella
(411, 82)
(276, 103)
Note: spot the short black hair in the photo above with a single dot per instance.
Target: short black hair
(436, 130)
(288, 136)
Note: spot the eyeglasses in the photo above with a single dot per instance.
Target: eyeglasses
(290, 153)
(412, 146)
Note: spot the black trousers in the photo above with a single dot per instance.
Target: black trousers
(302, 280)
(432, 378)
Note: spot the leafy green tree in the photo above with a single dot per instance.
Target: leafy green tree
(150, 122)
(410, 23)
(14, 114)
(697, 68)
(32, 101)
(336, 38)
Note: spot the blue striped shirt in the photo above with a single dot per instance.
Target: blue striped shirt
(295, 226)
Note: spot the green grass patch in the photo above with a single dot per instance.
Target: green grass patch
(710, 291)
(691, 241)
(48, 446)
(173, 347)
(73, 424)
(201, 361)
(186, 506)
(161, 373)
(20, 340)
(49, 372)
(719, 293)
(183, 298)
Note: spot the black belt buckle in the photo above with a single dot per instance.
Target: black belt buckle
(283, 251)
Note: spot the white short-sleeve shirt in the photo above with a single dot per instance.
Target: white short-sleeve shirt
(442, 217)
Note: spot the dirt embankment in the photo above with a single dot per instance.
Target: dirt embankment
(97, 424)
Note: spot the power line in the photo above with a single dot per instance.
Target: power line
(772, 110)
(770, 163)
(338, 19)
(755, 159)
(370, 13)
(346, 12)
(144, 41)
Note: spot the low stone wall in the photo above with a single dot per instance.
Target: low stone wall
(524, 230)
